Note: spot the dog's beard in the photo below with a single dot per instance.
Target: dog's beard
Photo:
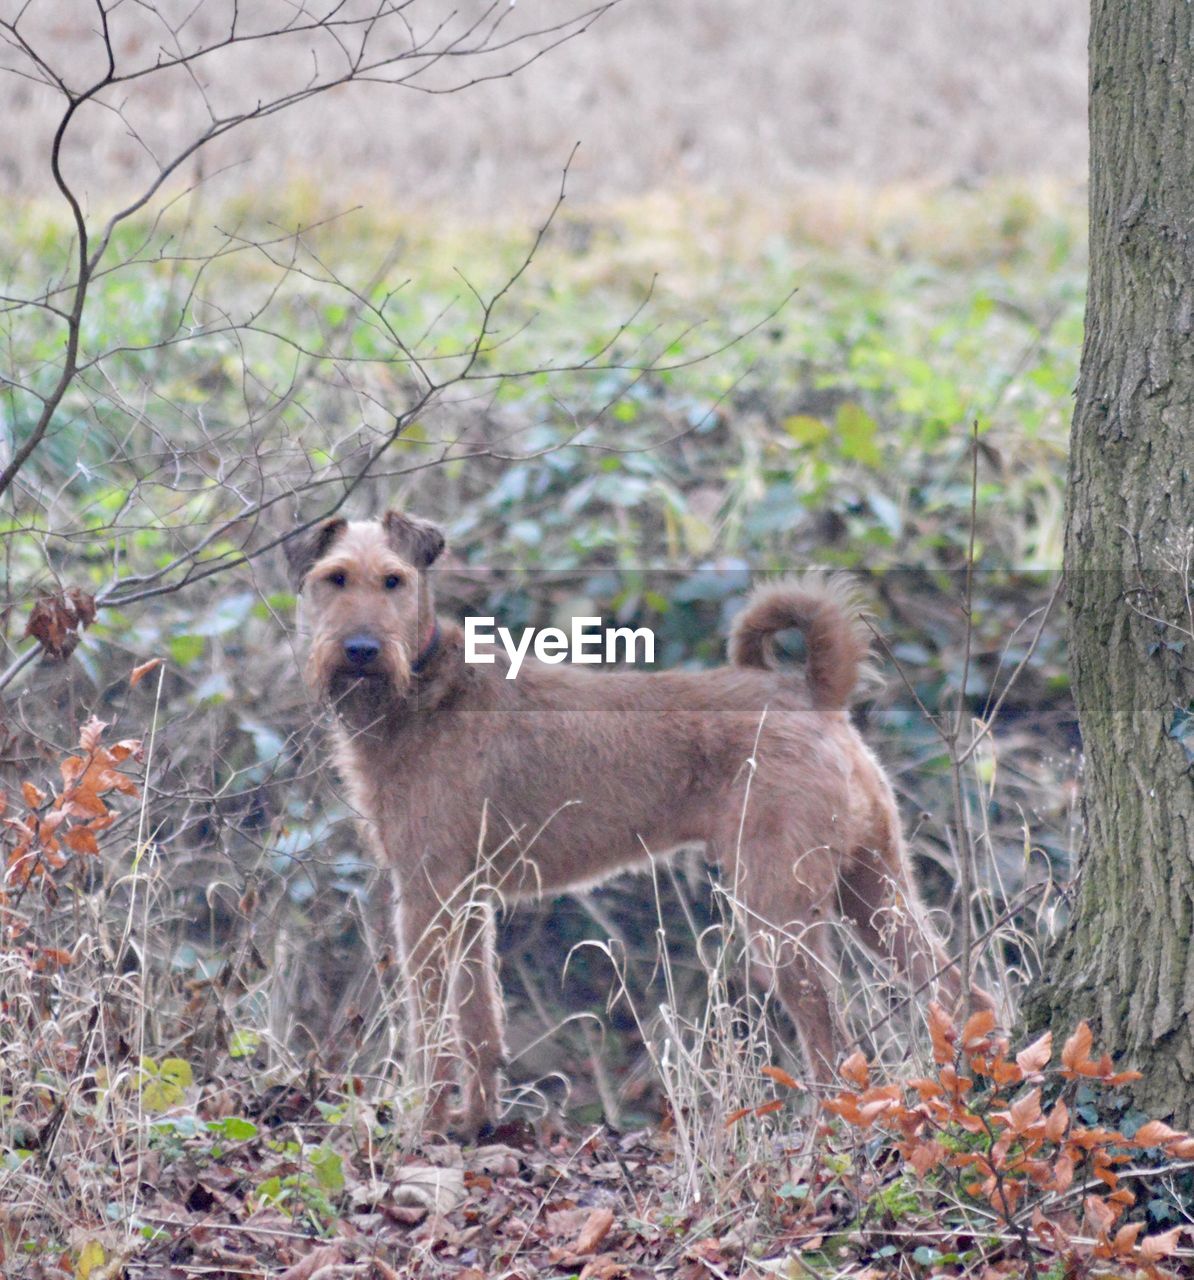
(360, 700)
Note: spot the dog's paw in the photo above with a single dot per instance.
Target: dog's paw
(469, 1128)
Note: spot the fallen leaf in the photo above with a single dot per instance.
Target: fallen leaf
(328, 1255)
(436, 1190)
(594, 1231)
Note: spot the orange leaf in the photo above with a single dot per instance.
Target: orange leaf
(143, 670)
(91, 733)
(1125, 1238)
(926, 1088)
(780, 1076)
(1063, 1173)
(734, 1116)
(1036, 1056)
(1099, 1214)
(954, 1083)
(81, 840)
(776, 1104)
(845, 1106)
(1057, 1122)
(978, 1027)
(595, 1230)
(1005, 1073)
(941, 1032)
(1159, 1246)
(1025, 1111)
(855, 1070)
(1075, 1053)
(34, 796)
(923, 1156)
(1155, 1134)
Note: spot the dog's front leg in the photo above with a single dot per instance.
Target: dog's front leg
(478, 998)
(424, 936)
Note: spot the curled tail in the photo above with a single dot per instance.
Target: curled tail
(827, 610)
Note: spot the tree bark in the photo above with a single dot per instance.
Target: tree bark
(1126, 960)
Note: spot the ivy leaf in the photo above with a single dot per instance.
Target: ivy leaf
(1182, 730)
(329, 1170)
(857, 433)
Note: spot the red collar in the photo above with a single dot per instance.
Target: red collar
(427, 652)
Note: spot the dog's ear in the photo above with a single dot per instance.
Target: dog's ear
(418, 541)
(303, 549)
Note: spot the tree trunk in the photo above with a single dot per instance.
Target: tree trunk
(1126, 961)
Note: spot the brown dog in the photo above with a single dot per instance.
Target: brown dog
(472, 787)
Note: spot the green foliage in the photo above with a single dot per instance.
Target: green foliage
(302, 1193)
(163, 1085)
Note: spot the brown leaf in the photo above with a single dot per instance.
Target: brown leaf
(594, 1231)
(1057, 1122)
(1099, 1214)
(81, 840)
(1125, 1238)
(1155, 1134)
(941, 1032)
(34, 796)
(978, 1027)
(1036, 1056)
(1075, 1053)
(328, 1255)
(1025, 1111)
(83, 605)
(606, 1267)
(780, 1076)
(55, 620)
(91, 733)
(924, 1156)
(50, 625)
(855, 1070)
(1159, 1246)
(1063, 1173)
(139, 673)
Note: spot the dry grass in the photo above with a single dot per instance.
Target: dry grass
(723, 95)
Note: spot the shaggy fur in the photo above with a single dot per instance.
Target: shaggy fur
(472, 787)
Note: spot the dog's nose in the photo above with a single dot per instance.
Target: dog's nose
(361, 650)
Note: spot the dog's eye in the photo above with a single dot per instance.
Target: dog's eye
(393, 582)
(338, 579)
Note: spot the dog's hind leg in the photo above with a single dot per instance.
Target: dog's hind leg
(796, 958)
(877, 894)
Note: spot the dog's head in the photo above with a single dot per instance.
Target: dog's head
(369, 606)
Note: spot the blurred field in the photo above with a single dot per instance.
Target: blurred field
(742, 97)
